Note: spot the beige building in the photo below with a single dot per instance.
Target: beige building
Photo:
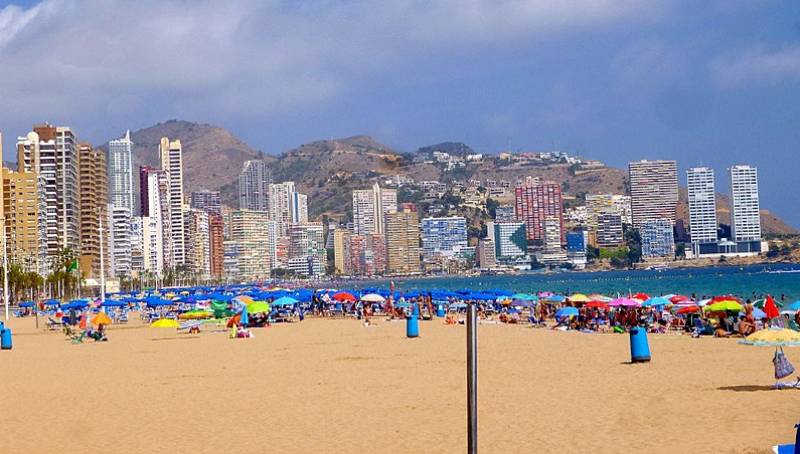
(20, 211)
(254, 234)
(402, 242)
(339, 238)
(93, 183)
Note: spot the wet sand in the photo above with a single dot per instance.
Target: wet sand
(337, 386)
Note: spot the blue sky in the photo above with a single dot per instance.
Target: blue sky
(713, 82)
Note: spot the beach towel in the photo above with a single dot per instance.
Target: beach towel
(783, 368)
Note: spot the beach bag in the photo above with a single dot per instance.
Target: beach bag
(783, 368)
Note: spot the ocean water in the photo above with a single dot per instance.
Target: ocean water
(746, 282)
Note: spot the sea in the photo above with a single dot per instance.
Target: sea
(782, 281)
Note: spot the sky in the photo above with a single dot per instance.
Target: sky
(711, 82)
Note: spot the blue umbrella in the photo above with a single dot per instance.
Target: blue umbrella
(52, 303)
(556, 298)
(26, 304)
(244, 320)
(113, 303)
(284, 301)
(794, 307)
(566, 312)
(657, 301)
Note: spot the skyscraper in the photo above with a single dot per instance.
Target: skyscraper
(654, 191)
(252, 231)
(157, 250)
(198, 253)
(20, 209)
(657, 239)
(93, 210)
(443, 236)
(402, 241)
(120, 173)
(287, 206)
(172, 162)
(745, 206)
(702, 204)
(216, 245)
(534, 202)
(254, 181)
(370, 207)
(509, 239)
(121, 238)
(307, 253)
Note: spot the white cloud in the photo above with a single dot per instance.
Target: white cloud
(756, 65)
(72, 60)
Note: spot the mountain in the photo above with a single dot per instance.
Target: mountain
(329, 170)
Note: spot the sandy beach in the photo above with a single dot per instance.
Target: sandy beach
(337, 386)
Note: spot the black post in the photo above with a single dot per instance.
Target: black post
(472, 379)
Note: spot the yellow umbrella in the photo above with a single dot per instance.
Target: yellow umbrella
(165, 323)
(722, 306)
(579, 298)
(101, 319)
(774, 337)
(258, 306)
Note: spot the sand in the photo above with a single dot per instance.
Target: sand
(337, 386)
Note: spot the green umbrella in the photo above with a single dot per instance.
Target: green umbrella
(258, 306)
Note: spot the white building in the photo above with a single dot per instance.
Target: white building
(172, 162)
(370, 207)
(702, 205)
(287, 206)
(121, 202)
(654, 191)
(119, 221)
(443, 236)
(745, 208)
(509, 239)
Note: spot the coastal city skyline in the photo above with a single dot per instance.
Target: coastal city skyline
(608, 81)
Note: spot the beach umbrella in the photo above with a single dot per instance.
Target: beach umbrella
(165, 323)
(195, 314)
(641, 296)
(704, 302)
(259, 307)
(566, 312)
(373, 298)
(26, 304)
(657, 301)
(556, 299)
(284, 301)
(113, 303)
(244, 299)
(597, 305)
(579, 298)
(344, 297)
(52, 302)
(624, 302)
(688, 310)
(794, 307)
(678, 298)
(599, 297)
(773, 337)
(101, 319)
(545, 294)
(722, 306)
(758, 313)
(244, 319)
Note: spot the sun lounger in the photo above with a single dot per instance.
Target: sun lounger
(53, 325)
(79, 339)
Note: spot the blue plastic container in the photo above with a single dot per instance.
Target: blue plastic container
(640, 350)
(440, 310)
(412, 326)
(5, 339)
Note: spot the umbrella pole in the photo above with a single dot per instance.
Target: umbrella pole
(472, 380)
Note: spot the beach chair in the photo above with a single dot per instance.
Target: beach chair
(123, 318)
(78, 339)
(53, 325)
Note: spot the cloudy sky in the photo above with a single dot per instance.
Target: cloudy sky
(711, 82)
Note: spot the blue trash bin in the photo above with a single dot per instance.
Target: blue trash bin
(640, 350)
(412, 326)
(440, 310)
(5, 339)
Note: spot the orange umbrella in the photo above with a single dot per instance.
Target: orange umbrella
(101, 319)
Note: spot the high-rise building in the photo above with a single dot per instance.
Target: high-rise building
(702, 204)
(120, 173)
(340, 237)
(120, 241)
(402, 241)
(171, 154)
(609, 231)
(208, 201)
(254, 181)
(745, 206)
(216, 246)
(654, 191)
(505, 213)
(307, 253)
(198, 242)
(157, 250)
(20, 210)
(93, 210)
(657, 239)
(370, 207)
(52, 153)
(136, 236)
(251, 230)
(443, 236)
(535, 202)
(510, 239)
(287, 206)
(485, 254)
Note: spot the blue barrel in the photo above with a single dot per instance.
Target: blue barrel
(640, 350)
(440, 310)
(5, 339)
(412, 326)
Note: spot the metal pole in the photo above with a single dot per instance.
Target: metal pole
(102, 264)
(472, 379)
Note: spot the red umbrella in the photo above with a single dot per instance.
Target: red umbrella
(596, 304)
(770, 308)
(688, 310)
(678, 299)
(725, 298)
(344, 297)
(641, 296)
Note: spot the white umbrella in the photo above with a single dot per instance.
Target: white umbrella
(373, 298)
